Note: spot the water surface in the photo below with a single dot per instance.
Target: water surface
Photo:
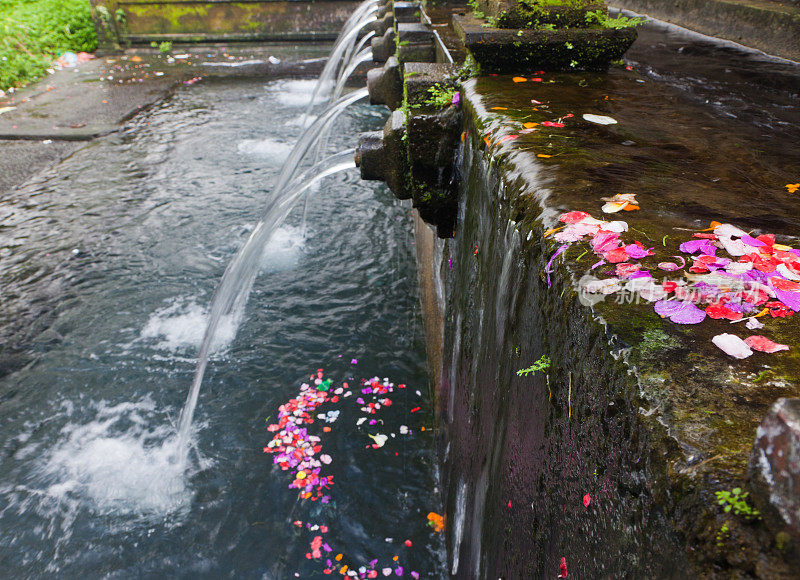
(108, 265)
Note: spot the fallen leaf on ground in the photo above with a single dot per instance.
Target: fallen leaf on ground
(519, 79)
(792, 187)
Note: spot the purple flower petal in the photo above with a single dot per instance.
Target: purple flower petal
(790, 299)
(640, 274)
(750, 241)
(693, 246)
(635, 251)
(679, 312)
(557, 253)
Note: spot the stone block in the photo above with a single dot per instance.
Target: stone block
(511, 51)
(775, 471)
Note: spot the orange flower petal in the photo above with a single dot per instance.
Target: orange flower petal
(554, 230)
(519, 79)
(712, 227)
(543, 156)
(530, 125)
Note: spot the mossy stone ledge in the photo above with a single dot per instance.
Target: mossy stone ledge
(519, 51)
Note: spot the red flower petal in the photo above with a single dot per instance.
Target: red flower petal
(616, 256)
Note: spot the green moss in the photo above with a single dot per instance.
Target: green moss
(540, 365)
(723, 534)
(783, 541)
(601, 19)
(655, 341)
(441, 96)
(470, 68)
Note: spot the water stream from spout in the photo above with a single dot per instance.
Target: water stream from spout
(230, 297)
(344, 45)
(231, 294)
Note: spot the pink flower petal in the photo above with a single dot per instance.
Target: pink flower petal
(732, 345)
(672, 266)
(763, 344)
(573, 217)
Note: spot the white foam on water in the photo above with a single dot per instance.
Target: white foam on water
(271, 150)
(110, 466)
(180, 326)
(298, 93)
(284, 249)
(118, 463)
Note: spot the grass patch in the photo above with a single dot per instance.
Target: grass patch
(34, 32)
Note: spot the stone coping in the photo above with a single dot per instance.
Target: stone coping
(768, 26)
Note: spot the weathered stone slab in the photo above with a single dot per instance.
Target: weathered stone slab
(773, 27)
(517, 51)
(407, 11)
(203, 20)
(775, 469)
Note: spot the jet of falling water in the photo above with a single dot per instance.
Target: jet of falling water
(234, 288)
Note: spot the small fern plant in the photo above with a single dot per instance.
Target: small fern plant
(540, 365)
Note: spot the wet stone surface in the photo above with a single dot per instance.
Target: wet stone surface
(678, 414)
(775, 468)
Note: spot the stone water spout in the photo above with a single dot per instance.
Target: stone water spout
(385, 84)
(381, 155)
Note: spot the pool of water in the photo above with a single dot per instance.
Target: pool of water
(107, 266)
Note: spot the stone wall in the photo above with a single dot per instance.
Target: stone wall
(143, 21)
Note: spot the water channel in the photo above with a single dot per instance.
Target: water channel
(109, 262)
(109, 265)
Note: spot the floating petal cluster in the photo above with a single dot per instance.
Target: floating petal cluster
(299, 452)
(294, 448)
